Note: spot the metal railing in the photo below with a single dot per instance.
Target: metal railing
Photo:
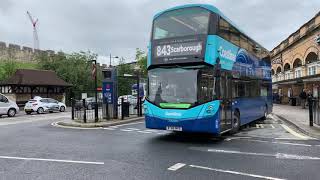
(86, 111)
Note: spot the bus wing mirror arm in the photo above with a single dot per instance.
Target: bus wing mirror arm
(218, 68)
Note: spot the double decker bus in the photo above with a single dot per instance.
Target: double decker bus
(204, 74)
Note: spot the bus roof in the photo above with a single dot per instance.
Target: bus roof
(212, 9)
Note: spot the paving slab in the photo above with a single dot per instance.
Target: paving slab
(297, 117)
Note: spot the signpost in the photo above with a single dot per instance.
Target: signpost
(107, 91)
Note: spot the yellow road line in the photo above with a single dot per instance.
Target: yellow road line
(304, 137)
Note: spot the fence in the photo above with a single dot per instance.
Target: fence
(314, 112)
(86, 111)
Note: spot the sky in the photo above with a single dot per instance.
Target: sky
(118, 27)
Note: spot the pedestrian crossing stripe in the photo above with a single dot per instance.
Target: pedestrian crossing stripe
(259, 126)
(143, 131)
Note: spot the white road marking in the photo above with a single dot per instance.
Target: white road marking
(237, 173)
(238, 152)
(126, 130)
(274, 142)
(151, 130)
(176, 166)
(295, 133)
(40, 118)
(134, 129)
(277, 155)
(272, 126)
(51, 160)
(128, 124)
(292, 156)
(146, 132)
(231, 138)
(108, 128)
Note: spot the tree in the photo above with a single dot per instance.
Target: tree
(141, 58)
(9, 66)
(7, 69)
(125, 84)
(74, 68)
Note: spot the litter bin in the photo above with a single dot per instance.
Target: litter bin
(293, 101)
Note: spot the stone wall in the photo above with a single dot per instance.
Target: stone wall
(20, 53)
(25, 54)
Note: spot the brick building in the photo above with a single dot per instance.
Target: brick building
(296, 62)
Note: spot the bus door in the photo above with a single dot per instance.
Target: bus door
(226, 102)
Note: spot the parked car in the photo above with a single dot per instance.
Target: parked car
(89, 103)
(41, 105)
(8, 107)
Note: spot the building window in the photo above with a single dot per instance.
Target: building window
(288, 75)
(311, 70)
(298, 73)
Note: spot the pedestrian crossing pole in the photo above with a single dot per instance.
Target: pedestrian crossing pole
(310, 112)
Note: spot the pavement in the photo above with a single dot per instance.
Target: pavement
(38, 150)
(296, 117)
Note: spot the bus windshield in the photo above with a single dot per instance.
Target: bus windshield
(181, 22)
(188, 86)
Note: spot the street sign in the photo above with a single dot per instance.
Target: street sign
(107, 92)
(84, 95)
(93, 71)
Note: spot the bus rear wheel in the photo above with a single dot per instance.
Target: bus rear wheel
(235, 122)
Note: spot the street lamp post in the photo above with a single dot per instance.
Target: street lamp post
(137, 70)
(111, 59)
(95, 90)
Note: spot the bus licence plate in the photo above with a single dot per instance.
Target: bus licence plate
(173, 128)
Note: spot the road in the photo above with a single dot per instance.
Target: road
(34, 149)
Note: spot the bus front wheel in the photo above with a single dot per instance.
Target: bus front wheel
(235, 122)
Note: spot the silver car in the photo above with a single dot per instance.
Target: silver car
(8, 107)
(41, 105)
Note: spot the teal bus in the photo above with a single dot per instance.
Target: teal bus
(204, 74)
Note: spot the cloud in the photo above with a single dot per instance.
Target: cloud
(119, 27)
(5, 6)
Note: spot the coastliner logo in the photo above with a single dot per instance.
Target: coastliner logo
(172, 114)
(227, 54)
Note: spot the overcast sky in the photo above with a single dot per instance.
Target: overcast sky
(120, 26)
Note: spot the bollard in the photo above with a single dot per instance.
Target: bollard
(310, 112)
(122, 113)
(72, 108)
(140, 106)
(85, 111)
(96, 112)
